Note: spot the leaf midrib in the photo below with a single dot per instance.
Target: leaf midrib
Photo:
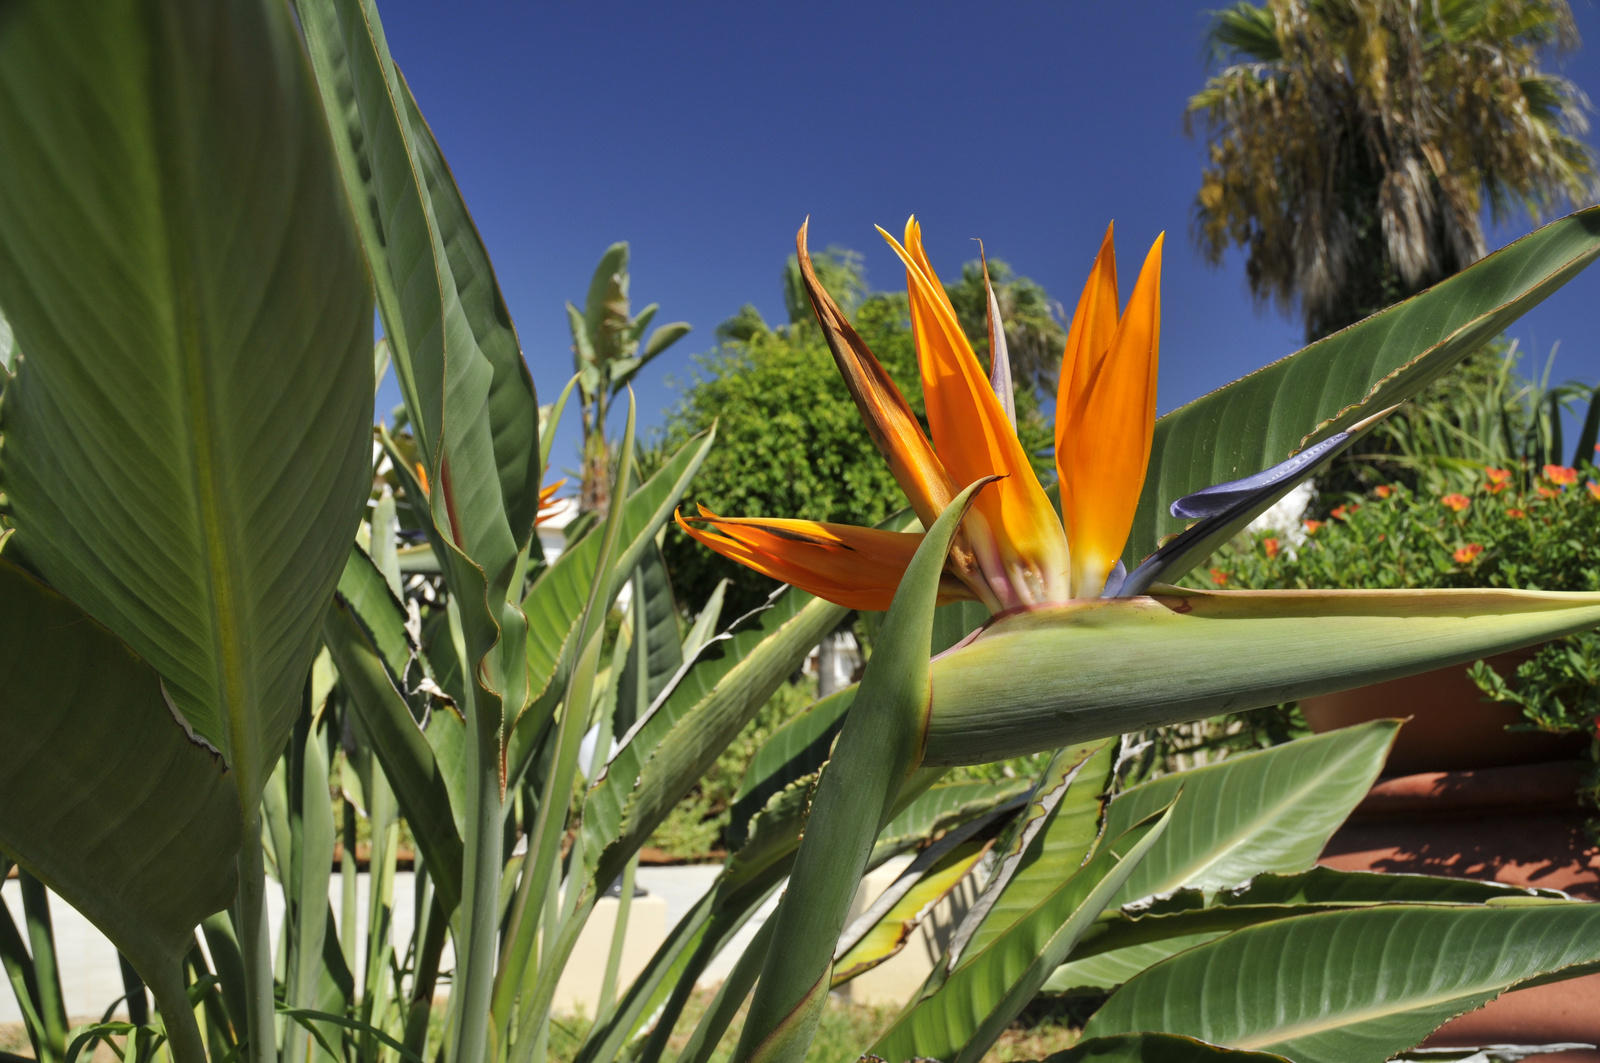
(1235, 839)
(223, 571)
(1278, 1035)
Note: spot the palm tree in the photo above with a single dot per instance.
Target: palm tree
(1354, 143)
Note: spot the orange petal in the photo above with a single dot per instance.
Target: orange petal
(888, 417)
(1115, 422)
(547, 511)
(1016, 534)
(1094, 324)
(858, 568)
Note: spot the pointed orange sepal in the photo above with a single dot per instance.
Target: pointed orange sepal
(859, 568)
(888, 417)
(1016, 535)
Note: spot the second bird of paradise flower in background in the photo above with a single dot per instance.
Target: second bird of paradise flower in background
(1013, 550)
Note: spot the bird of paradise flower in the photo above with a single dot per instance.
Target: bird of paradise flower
(1014, 549)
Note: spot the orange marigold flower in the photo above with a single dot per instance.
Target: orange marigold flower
(1594, 489)
(1383, 490)
(1219, 577)
(1495, 488)
(1498, 476)
(1343, 512)
(1270, 546)
(1549, 492)
(1517, 514)
(1312, 526)
(1467, 553)
(1457, 502)
(1560, 474)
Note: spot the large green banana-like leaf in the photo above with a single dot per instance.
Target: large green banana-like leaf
(1259, 420)
(1155, 1048)
(187, 437)
(879, 749)
(1085, 670)
(1270, 811)
(1354, 986)
(363, 617)
(696, 718)
(455, 352)
(512, 406)
(306, 921)
(747, 880)
(729, 998)
(1047, 845)
(974, 1006)
(475, 418)
(605, 304)
(1325, 885)
(941, 807)
(1121, 946)
(102, 794)
(796, 749)
(656, 653)
(554, 604)
(883, 929)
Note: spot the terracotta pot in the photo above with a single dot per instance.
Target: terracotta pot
(1451, 726)
(1518, 825)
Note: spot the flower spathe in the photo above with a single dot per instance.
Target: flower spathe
(1013, 550)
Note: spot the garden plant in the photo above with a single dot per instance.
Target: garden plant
(208, 619)
(1494, 533)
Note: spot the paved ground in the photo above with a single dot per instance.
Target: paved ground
(91, 979)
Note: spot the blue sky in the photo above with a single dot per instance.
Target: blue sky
(704, 133)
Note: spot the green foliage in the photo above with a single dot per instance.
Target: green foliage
(697, 824)
(1353, 374)
(1546, 537)
(206, 298)
(609, 348)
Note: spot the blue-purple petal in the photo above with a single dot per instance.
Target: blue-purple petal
(1222, 510)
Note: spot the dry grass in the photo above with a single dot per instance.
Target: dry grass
(846, 1030)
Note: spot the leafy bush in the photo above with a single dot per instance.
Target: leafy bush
(694, 828)
(1495, 534)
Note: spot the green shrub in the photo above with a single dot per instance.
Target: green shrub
(1498, 533)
